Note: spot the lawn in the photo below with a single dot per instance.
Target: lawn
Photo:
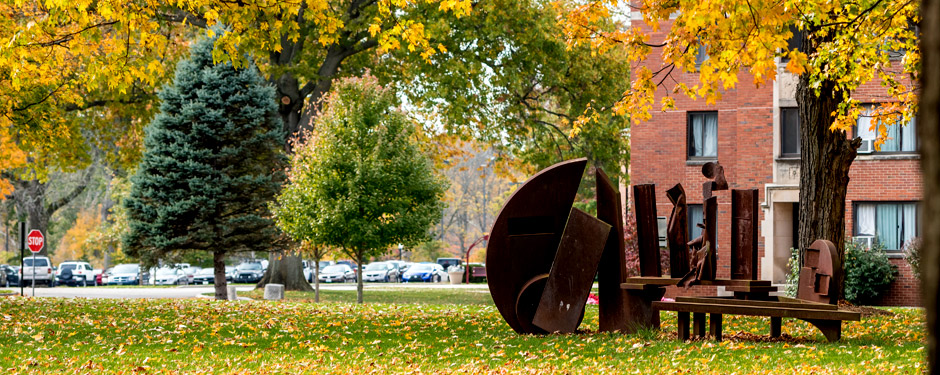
(295, 336)
(391, 295)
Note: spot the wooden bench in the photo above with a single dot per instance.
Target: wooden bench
(827, 318)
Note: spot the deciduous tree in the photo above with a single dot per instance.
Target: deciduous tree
(360, 183)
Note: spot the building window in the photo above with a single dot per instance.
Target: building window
(789, 132)
(696, 216)
(794, 43)
(703, 135)
(891, 224)
(701, 54)
(900, 138)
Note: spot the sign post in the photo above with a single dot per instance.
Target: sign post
(35, 241)
(22, 249)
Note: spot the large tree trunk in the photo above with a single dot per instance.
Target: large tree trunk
(285, 268)
(928, 133)
(218, 266)
(825, 159)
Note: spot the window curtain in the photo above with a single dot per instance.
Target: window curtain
(909, 218)
(908, 137)
(863, 125)
(697, 126)
(893, 142)
(710, 147)
(866, 220)
(888, 225)
(696, 216)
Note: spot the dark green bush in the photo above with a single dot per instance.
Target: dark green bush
(868, 272)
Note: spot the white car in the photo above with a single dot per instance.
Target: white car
(38, 268)
(75, 273)
(170, 276)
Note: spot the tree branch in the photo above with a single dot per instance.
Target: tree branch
(55, 206)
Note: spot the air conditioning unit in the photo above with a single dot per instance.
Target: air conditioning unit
(866, 241)
(867, 147)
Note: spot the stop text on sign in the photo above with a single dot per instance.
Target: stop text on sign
(35, 241)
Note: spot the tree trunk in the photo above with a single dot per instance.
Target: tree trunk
(825, 159)
(316, 275)
(29, 196)
(218, 265)
(285, 268)
(359, 256)
(928, 133)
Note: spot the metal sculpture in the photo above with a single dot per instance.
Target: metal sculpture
(677, 232)
(821, 265)
(744, 213)
(647, 229)
(612, 314)
(525, 238)
(562, 303)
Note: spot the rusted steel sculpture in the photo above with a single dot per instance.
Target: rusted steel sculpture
(715, 172)
(647, 229)
(525, 238)
(677, 232)
(562, 303)
(821, 265)
(744, 214)
(612, 271)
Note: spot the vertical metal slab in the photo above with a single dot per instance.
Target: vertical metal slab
(744, 215)
(647, 230)
(821, 271)
(711, 257)
(613, 268)
(677, 232)
(572, 275)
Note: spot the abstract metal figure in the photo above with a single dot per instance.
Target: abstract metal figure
(612, 313)
(647, 229)
(676, 232)
(744, 213)
(821, 265)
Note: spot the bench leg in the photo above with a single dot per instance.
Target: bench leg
(775, 323)
(832, 329)
(714, 326)
(698, 324)
(683, 326)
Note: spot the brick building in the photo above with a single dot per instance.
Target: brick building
(753, 133)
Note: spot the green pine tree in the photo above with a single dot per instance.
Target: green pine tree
(360, 183)
(213, 161)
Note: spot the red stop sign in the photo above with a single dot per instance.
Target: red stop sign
(35, 240)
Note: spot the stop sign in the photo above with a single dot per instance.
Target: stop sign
(35, 240)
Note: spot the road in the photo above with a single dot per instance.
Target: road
(197, 290)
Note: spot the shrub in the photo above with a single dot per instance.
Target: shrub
(793, 278)
(912, 255)
(868, 272)
(633, 251)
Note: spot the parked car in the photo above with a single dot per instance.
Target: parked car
(249, 272)
(205, 276)
(337, 273)
(75, 273)
(427, 272)
(12, 277)
(381, 271)
(97, 272)
(190, 273)
(128, 274)
(309, 271)
(103, 277)
(170, 276)
(38, 268)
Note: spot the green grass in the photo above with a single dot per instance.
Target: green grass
(5, 291)
(391, 295)
(295, 336)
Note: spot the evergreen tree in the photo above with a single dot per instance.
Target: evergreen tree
(360, 183)
(213, 160)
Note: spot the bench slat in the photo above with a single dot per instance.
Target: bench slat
(784, 312)
(789, 304)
